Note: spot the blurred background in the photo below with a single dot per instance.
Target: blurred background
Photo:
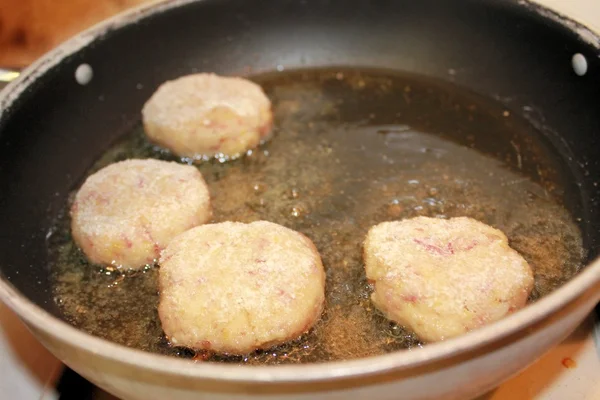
(29, 28)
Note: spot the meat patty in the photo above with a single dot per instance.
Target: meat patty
(442, 278)
(234, 288)
(203, 115)
(127, 212)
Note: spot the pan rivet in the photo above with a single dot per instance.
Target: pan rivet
(579, 64)
(84, 74)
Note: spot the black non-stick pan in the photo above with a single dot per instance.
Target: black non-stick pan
(384, 84)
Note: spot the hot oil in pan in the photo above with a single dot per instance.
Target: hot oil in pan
(351, 149)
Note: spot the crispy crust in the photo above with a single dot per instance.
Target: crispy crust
(127, 212)
(234, 288)
(442, 278)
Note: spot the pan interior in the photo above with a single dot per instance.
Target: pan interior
(352, 148)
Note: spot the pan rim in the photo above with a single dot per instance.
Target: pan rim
(55, 327)
(335, 370)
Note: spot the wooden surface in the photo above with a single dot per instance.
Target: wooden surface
(29, 28)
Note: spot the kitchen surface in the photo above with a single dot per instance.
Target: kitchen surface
(28, 371)
(29, 28)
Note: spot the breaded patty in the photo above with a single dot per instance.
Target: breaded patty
(127, 212)
(202, 115)
(234, 288)
(442, 278)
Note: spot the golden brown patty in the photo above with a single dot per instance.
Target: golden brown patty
(127, 212)
(442, 278)
(234, 288)
(203, 115)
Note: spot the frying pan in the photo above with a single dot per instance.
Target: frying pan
(52, 128)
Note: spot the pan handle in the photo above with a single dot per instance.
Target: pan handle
(7, 76)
